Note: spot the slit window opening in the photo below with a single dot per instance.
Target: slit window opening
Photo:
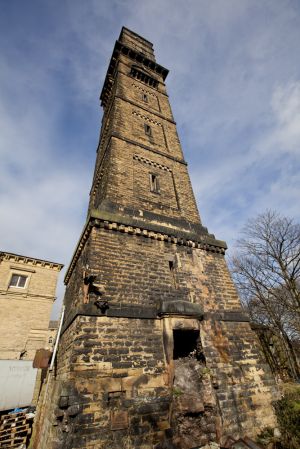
(145, 98)
(148, 129)
(172, 270)
(154, 186)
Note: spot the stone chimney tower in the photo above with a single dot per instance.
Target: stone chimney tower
(155, 351)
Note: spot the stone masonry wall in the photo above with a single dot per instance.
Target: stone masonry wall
(26, 310)
(129, 183)
(117, 375)
(113, 370)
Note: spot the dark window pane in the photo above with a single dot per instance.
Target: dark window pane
(148, 129)
(154, 186)
(22, 281)
(14, 280)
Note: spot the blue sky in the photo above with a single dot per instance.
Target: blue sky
(234, 86)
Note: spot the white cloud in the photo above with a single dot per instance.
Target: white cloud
(265, 175)
(234, 88)
(286, 108)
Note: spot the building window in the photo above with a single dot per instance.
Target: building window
(154, 186)
(172, 270)
(148, 131)
(18, 280)
(145, 98)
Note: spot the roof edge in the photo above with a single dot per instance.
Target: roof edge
(135, 34)
(26, 259)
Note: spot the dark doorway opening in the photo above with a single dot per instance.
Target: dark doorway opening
(185, 342)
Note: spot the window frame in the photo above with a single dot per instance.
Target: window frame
(19, 276)
(154, 183)
(148, 130)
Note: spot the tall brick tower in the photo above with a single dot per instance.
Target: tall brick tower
(156, 351)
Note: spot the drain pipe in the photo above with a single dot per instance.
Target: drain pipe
(54, 352)
(41, 412)
(57, 338)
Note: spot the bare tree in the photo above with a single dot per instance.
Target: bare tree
(266, 270)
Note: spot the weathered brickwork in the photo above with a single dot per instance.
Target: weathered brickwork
(128, 182)
(156, 351)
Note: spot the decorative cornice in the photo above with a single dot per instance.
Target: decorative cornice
(147, 118)
(135, 56)
(144, 90)
(137, 157)
(116, 223)
(80, 245)
(30, 261)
